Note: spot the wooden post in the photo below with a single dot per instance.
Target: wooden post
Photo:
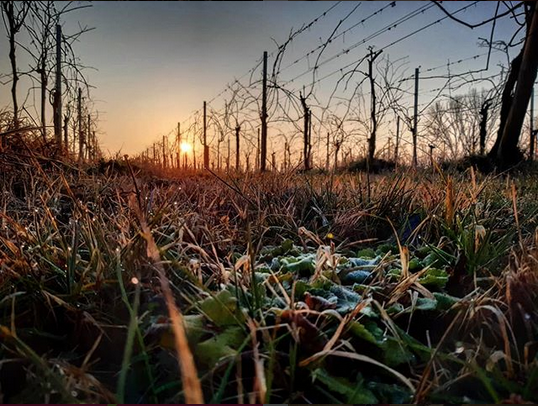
(373, 116)
(237, 156)
(206, 147)
(415, 119)
(80, 134)
(57, 118)
(89, 144)
(431, 155)
(219, 140)
(179, 141)
(306, 130)
(193, 151)
(228, 155)
(66, 138)
(533, 134)
(258, 153)
(328, 152)
(263, 154)
(397, 144)
(94, 148)
(165, 161)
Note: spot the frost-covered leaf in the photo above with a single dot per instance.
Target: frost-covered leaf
(225, 344)
(355, 277)
(222, 309)
(445, 301)
(353, 392)
(396, 352)
(424, 303)
(434, 277)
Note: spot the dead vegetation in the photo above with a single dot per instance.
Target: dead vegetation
(398, 288)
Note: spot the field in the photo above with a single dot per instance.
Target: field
(119, 284)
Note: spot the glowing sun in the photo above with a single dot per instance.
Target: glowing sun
(185, 147)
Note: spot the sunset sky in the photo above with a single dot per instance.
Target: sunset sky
(156, 62)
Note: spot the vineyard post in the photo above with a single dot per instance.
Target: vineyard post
(533, 134)
(328, 152)
(306, 129)
(80, 135)
(193, 151)
(228, 155)
(258, 152)
(94, 143)
(397, 144)
(373, 134)
(66, 138)
(206, 147)
(237, 156)
(178, 146)
(165, 161)
(415, 118)
(89, 141)
(263, 155)
(58, 90)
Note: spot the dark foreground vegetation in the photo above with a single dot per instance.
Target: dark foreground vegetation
(287, 287)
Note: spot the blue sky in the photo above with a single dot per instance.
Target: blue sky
(157, 61)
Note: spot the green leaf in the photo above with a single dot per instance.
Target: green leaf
(359, 330)
(366, 253)
(225, 344)
(268, 252)
(434, 277)
(390, 393)
(415, 264)
(386, 248)
(444, 301)
(369, 331)
(194, 327)
(347, 299)
(355, 277)
(354, 392)
(303, 265)
(424, 303)
(222, 309)
(395, 352)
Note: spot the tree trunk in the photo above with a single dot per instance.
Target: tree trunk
(43, 77)
(237, 156)
(373, 133)
(337, 146)
(483, 125)
(13, 61)
(397, 143)
(524, 67)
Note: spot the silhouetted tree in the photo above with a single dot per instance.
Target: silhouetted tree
(14, 15)
(518, 85)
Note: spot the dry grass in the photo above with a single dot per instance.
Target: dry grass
(140, 288)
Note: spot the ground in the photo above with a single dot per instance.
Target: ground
(289, 288)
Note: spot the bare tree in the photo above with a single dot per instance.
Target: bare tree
(44, 17)
(518, 85)
(462, 125)
(14, 15)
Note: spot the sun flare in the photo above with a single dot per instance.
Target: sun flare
(185, 147)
